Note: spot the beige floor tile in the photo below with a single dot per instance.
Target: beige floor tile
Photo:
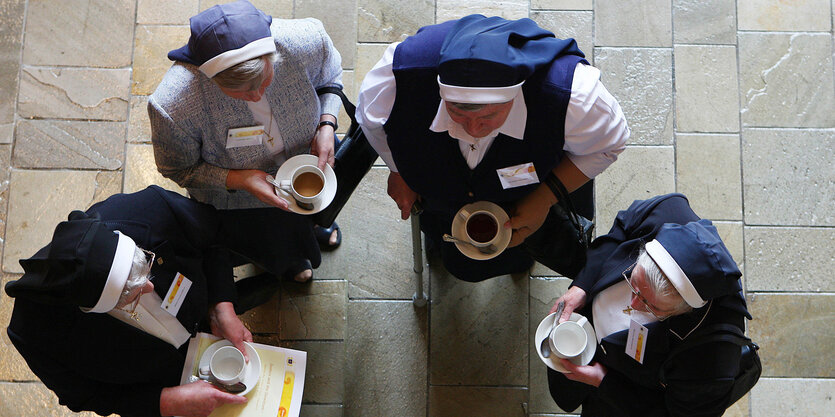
(264, 318)
(633, 23)
(777, 397)
(706, 88)
(795, 333)
(158, 12)
(704, 21)
(33, 399)
(89, 33)
(788, 177)
(741, 408)
(641, 79)
(6, 133)
(278, 9)
(387, 349)
(373, 233)
(708, 173)
(640, 172)
(141, 171)
(73, 93)
(731, 234)
(5, 171)
(150, 55)
(69, 144)
(350, 90)
(786, 79)
(570, 24)
(789, 258)
(544, 294)
(367, 56)
(800, 16)
(12, 366)
(318, 410)
(39, 200)
(477, 401)
(474, 324)
(139, 124)
(339, 20)
(562, 4)
(454, 9)
(316, 310)
(11, 42)
(392, 21)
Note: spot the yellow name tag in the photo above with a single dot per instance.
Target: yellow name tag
(244, 136)
(176, 294)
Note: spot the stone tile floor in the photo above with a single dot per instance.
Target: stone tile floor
(729, 102)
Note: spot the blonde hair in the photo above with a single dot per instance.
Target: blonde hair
(247, 75)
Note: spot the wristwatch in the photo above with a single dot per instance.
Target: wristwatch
(326, 123)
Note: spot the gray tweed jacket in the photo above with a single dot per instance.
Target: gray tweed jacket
(190, 116)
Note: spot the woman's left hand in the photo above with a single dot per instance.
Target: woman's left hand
(224, 323)
(322, 145)
(588, 374)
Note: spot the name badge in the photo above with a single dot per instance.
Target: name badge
(244, 136)
(636, 341)
(517, 175)
(176, 294)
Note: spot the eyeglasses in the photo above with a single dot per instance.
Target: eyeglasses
(150, 256)
(650, 308)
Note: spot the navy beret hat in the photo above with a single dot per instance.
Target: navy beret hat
(494, 53)
(226, 35)
(86, 264)
(696, 261)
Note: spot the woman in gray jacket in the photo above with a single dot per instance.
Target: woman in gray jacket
(240, 68)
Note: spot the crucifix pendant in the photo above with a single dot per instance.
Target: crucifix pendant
(628, 310)
(472, 147)
(270, 140)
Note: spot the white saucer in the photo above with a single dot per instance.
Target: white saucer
(458, 231)
(253, 368)
(553, 361)
(285, 171)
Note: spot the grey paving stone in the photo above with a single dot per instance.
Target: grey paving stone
(704, 21)
(633, 23)
(69, 144)
(570, 24)
(339, 19)
(790, 258)
(73, 93)
(11, 41)
(477, 401)
(455, 9)
(387, 346)
(263, 320)
(392, 20)
(474, 324)
(706, 89)
(741, 408)
(641, 79)
(33, 399)
(562, 4)
(150, 54)
(376, 252)
(39, 200)
(639, 173)
(797, 16)
(318, 410)
(811, 397)
(788, 177)
(732, 235)
(279, 9)
(539, 270)
(139, 125)
(5, 171)
(795, 333)
(12, 365)
(141, 171)
(544, 293)
(159, 12)
(89, 33)
(786, 80)
(350, 90)
(708, 173)
(324, 376)
(316, 310)
(6, 133)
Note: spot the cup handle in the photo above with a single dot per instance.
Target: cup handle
(464, 214)
(285, 185)
(582, 322)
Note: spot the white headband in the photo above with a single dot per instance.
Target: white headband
(478, 95)
(119, 270)
(674, 272)
(234, 57)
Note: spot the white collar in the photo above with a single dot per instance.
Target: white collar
(514, 126)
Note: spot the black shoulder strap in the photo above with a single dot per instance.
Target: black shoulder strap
(349, 107)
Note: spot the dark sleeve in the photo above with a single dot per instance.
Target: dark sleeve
(81, 393)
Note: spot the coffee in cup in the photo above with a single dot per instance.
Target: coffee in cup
(481, 227)
(305, 185)
(569, 339)
(227, 365)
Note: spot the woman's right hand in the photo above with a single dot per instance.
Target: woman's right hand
(575, 298)
(254, 181)
(197, 399)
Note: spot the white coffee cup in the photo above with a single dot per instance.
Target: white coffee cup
(569, 338)
(481, 227)
(227, 365)
(305, 185)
